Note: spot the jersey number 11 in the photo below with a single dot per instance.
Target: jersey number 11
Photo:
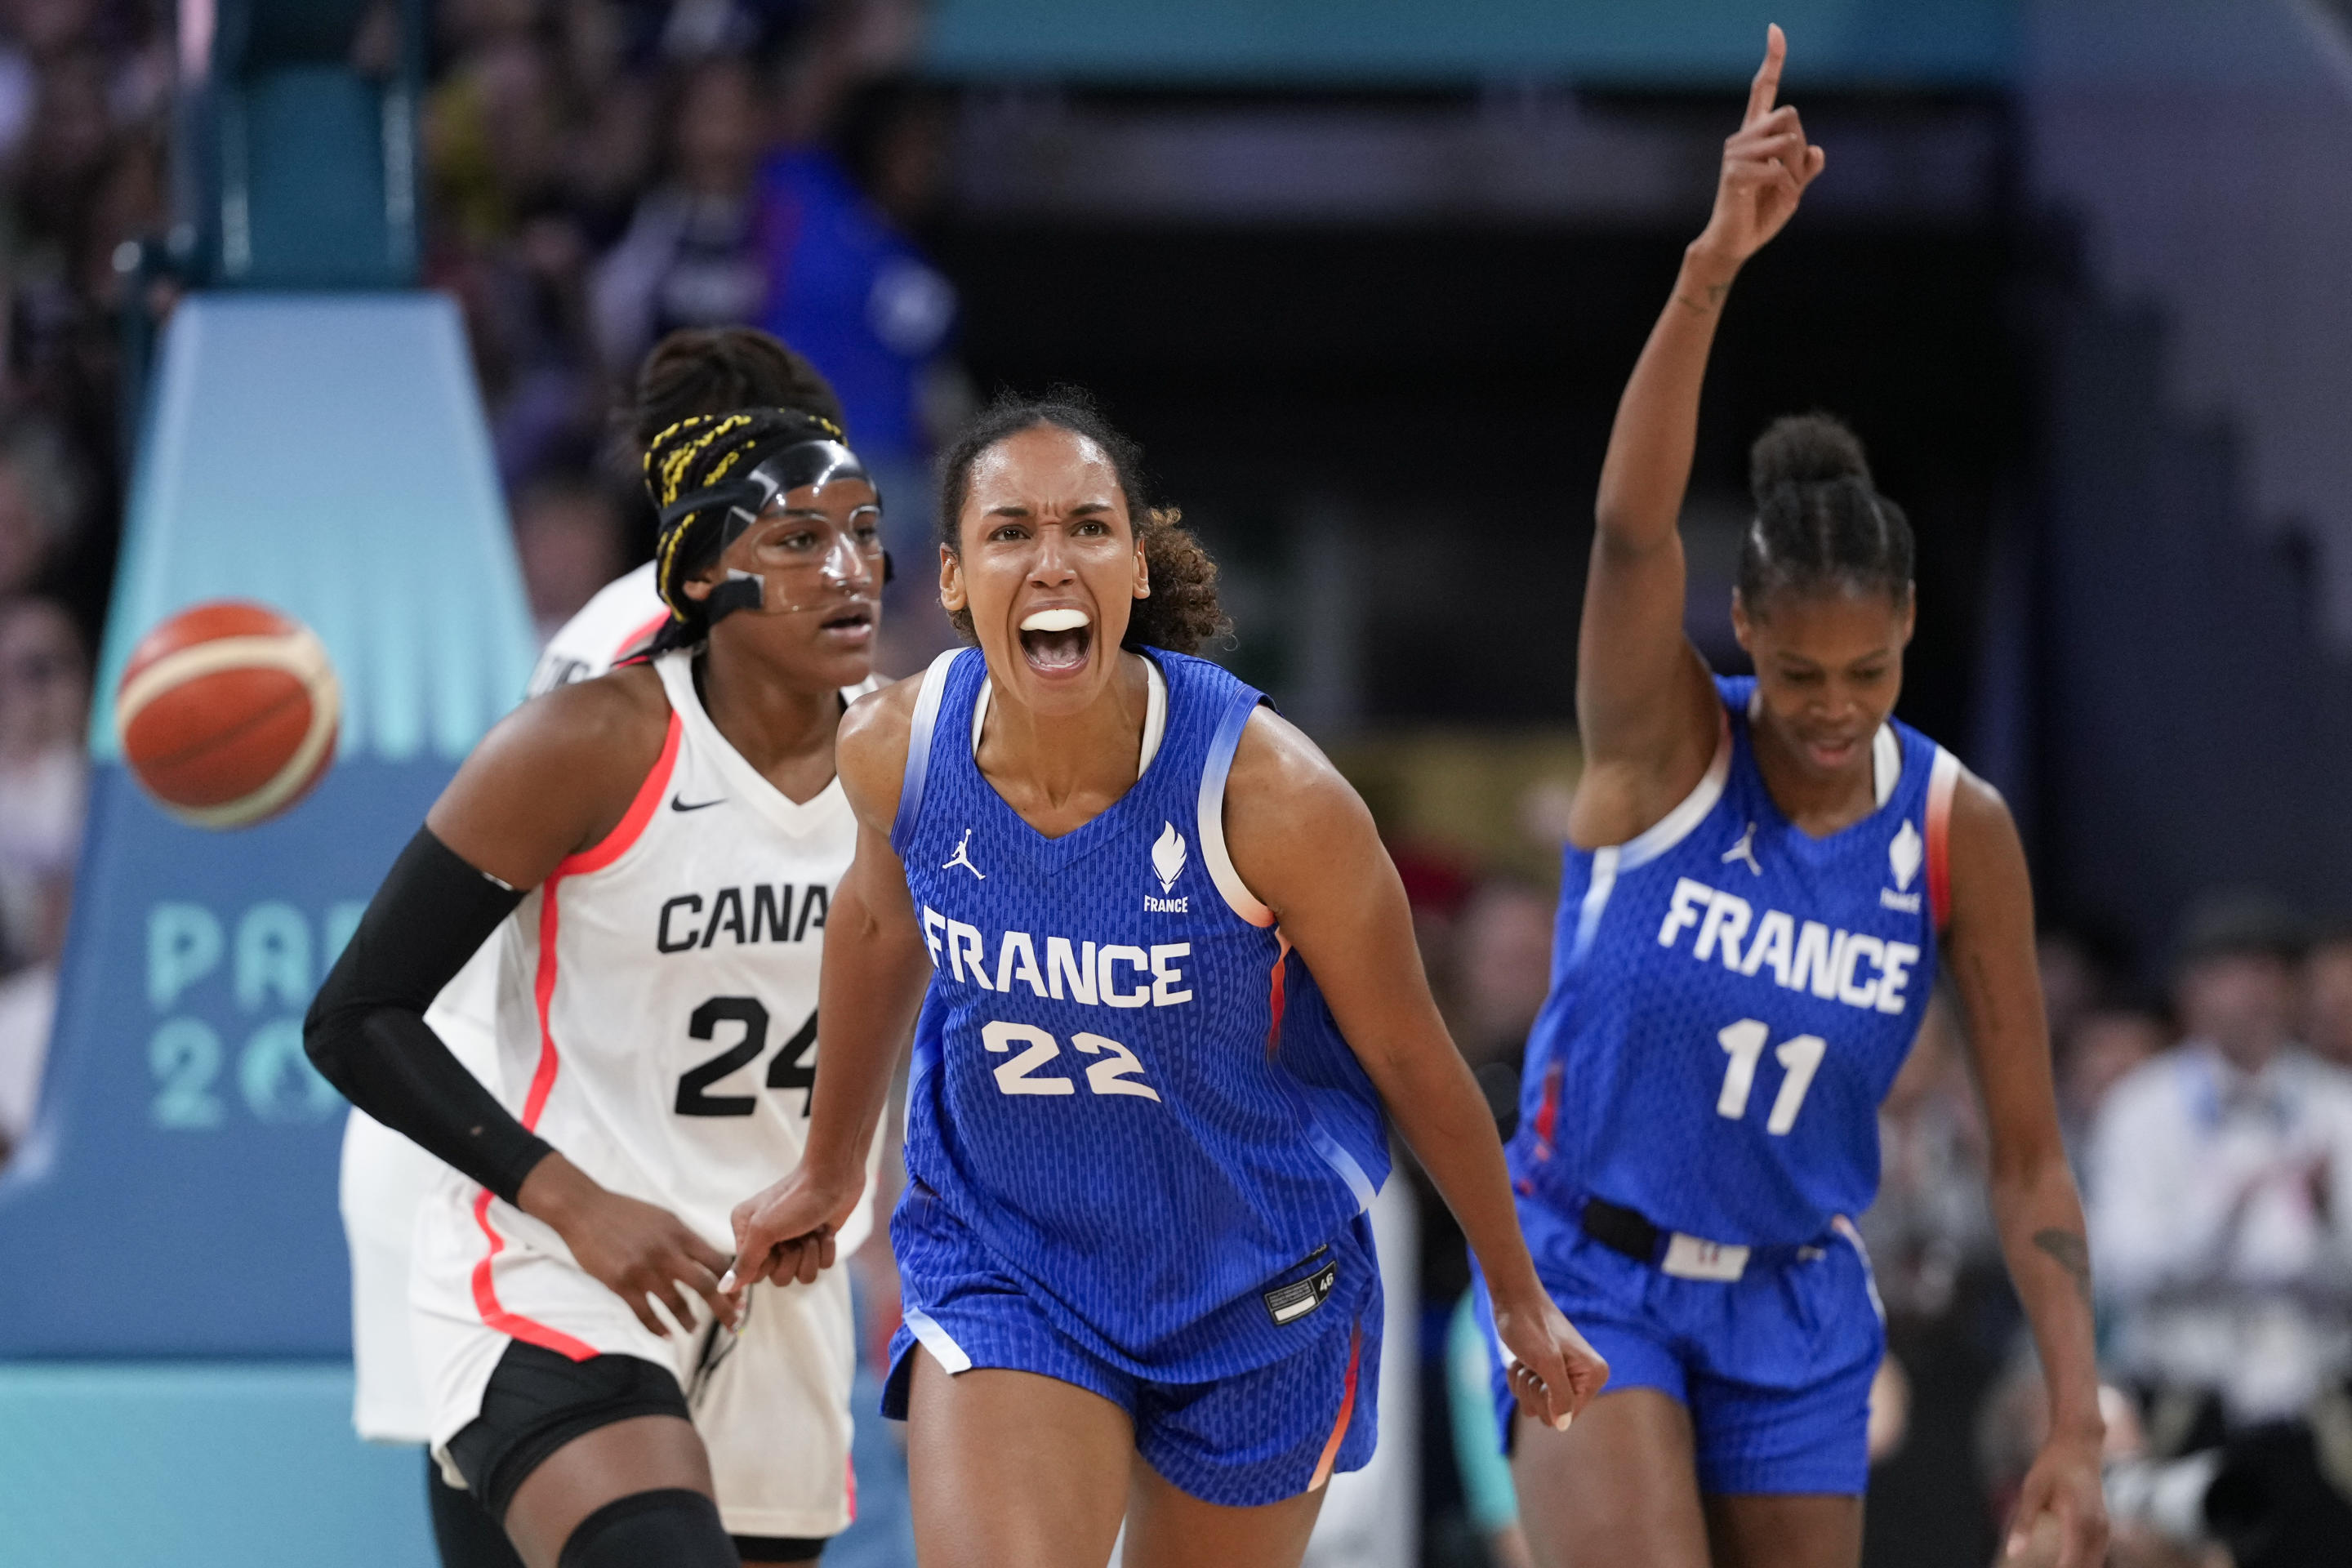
(1799, 1058)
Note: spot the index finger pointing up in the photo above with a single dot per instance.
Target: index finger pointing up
(1767, 85)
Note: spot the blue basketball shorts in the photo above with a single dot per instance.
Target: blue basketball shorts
(1775, 1367)
(1253, 1437)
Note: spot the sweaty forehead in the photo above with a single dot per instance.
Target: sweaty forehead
(1045, 468)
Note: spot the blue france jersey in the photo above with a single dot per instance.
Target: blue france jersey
(1125, 1083)
(1730, 1000)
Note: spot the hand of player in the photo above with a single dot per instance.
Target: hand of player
(2062, 1511)
(786, 1232)
(634, 1249)
(1554, 1374)
(1767, 164)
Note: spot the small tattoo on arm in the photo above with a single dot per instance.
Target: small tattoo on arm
(2071, 1253)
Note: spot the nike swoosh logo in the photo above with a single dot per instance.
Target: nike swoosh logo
(678, 804)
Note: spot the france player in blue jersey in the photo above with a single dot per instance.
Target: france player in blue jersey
(1171, 991)
(1765, 879)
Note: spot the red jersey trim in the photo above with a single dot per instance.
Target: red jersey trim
(632, 826)
(1275, 995)
(1941, 781)
(636, 639)
(1346, 1412)
(542, 1078)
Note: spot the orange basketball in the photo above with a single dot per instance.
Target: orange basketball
(227, 712)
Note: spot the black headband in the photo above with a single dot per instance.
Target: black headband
(798, 465)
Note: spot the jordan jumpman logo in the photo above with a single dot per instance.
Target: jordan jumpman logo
(1745, 850)
(962, 857)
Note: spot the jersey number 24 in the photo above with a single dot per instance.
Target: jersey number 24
(791, 1069)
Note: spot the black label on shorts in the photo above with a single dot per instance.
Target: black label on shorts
(1288, 1303)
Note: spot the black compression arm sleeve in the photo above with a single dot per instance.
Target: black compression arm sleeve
(366, 1031)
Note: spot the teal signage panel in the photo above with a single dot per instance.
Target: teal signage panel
(1626, 43)
(326, 456)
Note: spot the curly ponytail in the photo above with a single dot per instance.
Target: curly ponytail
(1181, 612)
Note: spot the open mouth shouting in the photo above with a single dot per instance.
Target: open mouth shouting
(1057, 642)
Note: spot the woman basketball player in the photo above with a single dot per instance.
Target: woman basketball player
(1172, 981)
(678, 831)
(386, 1179)
(1761, 878)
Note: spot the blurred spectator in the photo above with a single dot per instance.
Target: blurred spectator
(44, 709)
(2108, 1043)
(1437, 886)
(2078, 964)
(1949, 1310)
(40, 503)
(534, 111)
(2221, 1187)
(2328, 995)
(846, 284)
(534, 146)
(568, 534)
(28, 1001)
(691, 256)
(1502, 971)
(1933, 1218)
(2015, 1423)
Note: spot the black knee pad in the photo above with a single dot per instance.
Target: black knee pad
(672, 1528)
(463, 1529)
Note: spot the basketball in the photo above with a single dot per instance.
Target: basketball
(227, 713)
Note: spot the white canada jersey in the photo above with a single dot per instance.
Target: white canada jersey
(656, 1009)
(618, 622)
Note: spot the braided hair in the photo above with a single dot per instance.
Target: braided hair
(1181, 612)
(716, 370)
(1821, 523)
(693, 455)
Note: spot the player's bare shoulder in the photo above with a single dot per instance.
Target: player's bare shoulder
(614, 724)
(565, 764)
(1288, 813)
(1277, 769)
(870, 751)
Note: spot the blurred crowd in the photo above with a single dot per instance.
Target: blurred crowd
(596, 174)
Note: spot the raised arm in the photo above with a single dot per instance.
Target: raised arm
(876, 971)
(1303, 842)
(1990, 951)
(1643, 705)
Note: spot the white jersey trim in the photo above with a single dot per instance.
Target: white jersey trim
(918, 742)
(1885, 763)
(1155, 714)
(1214, 854)
(1596, 899)
(1680, 823)
(937, 1340)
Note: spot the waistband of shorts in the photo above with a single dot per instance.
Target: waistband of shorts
(1630, 1232)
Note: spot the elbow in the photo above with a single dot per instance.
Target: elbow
(326, 1041)
(334, 1032)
